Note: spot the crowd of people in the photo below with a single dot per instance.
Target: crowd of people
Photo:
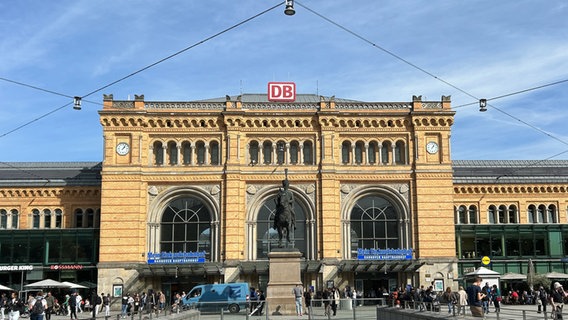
(40, 305)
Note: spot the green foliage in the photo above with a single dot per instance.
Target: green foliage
(541, 280)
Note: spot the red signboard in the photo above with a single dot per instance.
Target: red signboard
(282, 91)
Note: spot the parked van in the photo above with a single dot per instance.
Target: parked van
(214, 297)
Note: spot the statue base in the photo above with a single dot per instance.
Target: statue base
(284, 275)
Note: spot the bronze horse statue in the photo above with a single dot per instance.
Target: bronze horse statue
(284, 218)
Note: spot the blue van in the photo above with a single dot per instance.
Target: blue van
(214, 297)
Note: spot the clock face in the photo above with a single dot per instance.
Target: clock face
(432, 147)
(122, 148)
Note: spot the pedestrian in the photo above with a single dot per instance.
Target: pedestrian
(106, 304)
(15, 307)
(124, 305)
(37, 306)
(334, 300)
(475, 297)
(298, 293)
(326, 301)
(496, 296)
(462, 300)
(94, 301)
(73, 306)
(308, 301)
(50, 299)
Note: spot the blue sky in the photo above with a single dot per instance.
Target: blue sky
(484, 48)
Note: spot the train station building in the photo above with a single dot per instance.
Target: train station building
(186, 192)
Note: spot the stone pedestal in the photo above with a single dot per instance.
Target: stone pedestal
(284, 275)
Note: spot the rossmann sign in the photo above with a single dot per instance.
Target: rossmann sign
(282, 91)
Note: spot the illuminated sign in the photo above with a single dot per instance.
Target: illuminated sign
(282, 91)
(66, 267)
(16, 268)
(175, 257)
(384, 254)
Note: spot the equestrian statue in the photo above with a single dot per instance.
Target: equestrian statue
(284, 218)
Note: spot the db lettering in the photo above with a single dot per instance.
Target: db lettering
(281, 91)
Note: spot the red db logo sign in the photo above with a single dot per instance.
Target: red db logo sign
(282, 91)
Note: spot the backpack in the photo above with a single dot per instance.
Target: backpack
(99, 300)
(38, 308)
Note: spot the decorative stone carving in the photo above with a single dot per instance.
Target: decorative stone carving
(403, 188)
(345, 189)
(153, 191)
(215, 190)
(310, 189)
(251, 189)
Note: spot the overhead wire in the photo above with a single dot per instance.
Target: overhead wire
(131, 74)
(513, 93)
(353, 33)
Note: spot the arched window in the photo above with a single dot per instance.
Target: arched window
(374, 225)
(214, 147)
(308, 153)
(172, 153)
(158, 153)
(3, 219)
(492, 214)
(501, 213)
(267, 152)
(200, 145)
(280, 152)
(372, 152)
(58, 218)
(386, 146)
(15, 220)
(35, 218)
(90, 213)
(400, 152)
(551, 216)
(294, 147)
(512, 213)
(253, 152)
(359, 147)
(345, 152)
(541, 212)
(186, 152)
(462, 214)
(46, 218)
(267, 237)
(186, 227)
(531, 212)
(78, 218)
(472, 213)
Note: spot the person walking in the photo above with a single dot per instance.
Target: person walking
(475, 297)
(15, 307)
(50, 299)
(298, 293)
(106, 304)
(37, 306)
(73, 306)
(462, 300)
(308, 301)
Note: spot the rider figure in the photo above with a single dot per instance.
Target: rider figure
(285, 210)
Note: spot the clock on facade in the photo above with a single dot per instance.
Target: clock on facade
(432, 147)
(122, 148)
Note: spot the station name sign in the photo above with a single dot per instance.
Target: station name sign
(282, 91)
(384, 254)
(17, 268)
(175, 257)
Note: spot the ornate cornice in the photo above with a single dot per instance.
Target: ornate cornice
(50, 193)
(433, 121)
(510, 189)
